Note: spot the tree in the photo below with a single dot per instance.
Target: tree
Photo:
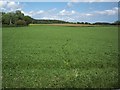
(6, 19)
(12, 18)
(19, 15)
(78, 23)
(15, 18)
(87, 23)
(82, 23)
(117, 22)
(20, 23)
(28, 19)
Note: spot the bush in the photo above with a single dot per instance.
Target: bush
(5, 25)
(20, 23)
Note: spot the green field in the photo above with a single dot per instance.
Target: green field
(60, 56)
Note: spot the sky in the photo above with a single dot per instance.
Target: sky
(67, 11)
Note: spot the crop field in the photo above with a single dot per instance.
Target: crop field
(60, 56)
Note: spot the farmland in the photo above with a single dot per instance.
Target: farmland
(60, 56)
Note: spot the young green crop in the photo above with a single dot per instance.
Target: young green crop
(52, 56)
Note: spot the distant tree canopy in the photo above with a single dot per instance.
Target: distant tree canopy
(17, 18)
(49, 21)
(106, 23)
(117, 22)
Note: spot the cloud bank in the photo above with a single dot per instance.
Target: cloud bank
(64, 14)
(9, 6)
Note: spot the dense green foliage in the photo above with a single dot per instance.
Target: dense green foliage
(49, 21)
(15, 19)
(117, 22)
(20, 23)
(106, 23)
(52, 56)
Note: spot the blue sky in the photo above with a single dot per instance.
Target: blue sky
(68, 11)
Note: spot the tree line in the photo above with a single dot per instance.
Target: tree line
(18, 18)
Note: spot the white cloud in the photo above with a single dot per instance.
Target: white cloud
(23, 12)
(69, 19)
(3, 3)
(33, 13)
(73, 12)
(75, 1)
(13, 6)
(51, 10)
(51, 18)
(72, 3)
(88, 14)
(40, 12)
(113, 11)
(50, 14)
(65, 12)
(9, 6)
(70, 15)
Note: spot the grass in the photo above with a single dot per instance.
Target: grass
(52, 57)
